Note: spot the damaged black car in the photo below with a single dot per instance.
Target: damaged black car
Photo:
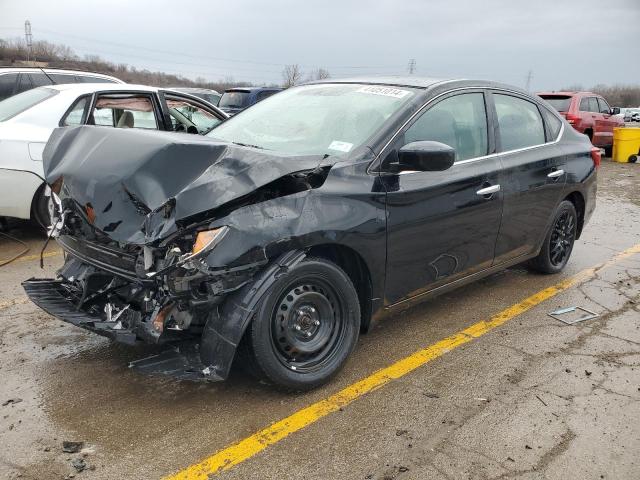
(300, 221)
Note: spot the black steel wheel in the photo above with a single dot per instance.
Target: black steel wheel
(306, 326)
(559, 240)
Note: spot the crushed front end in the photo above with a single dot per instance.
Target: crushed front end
(161, 294)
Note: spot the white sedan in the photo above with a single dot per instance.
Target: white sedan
(27, 120)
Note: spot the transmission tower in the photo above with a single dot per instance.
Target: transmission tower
(412, 66)
(529, 77)
(28, 37)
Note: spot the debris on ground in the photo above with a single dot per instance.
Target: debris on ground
(568, 315)
(71, 447)
(11, 401)
(79, 464)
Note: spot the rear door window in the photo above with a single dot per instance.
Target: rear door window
(124, 111)
(593, 105)
(7, 85)
(519, 122)
(584, 105)
(459, 121)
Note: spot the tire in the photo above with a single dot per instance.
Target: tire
(305, 327)
(608, 151)
(559, 240)
(40, 209)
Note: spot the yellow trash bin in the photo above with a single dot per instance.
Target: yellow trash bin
(626, 144)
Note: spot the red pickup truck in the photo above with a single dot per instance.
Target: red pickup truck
(589, 113)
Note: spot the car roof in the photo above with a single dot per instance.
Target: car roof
(98, 87)
(251, 89)
(194, 89)
(56, 70)
(568, 94)
(422, 83)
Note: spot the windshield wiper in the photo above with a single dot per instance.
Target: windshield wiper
(248, 145)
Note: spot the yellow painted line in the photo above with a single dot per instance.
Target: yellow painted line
(254, 444)
(14, 301)
(27, 258)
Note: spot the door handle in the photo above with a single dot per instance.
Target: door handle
(488, 190)
(555, 174)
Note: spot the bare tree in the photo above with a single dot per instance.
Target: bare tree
(291, 75)
(319, 74)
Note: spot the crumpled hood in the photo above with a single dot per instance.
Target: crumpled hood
(133, 185)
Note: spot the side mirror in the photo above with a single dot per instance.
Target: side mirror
(426, 156)
(615, 111)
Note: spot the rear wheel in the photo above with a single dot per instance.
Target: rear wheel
(305, 327)
(40, 208)
(558, 243)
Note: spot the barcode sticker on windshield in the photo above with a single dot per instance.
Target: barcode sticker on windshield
(386, 91)
(340, 146)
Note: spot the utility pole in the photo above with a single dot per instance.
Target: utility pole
(412, 66)
(28, 37)
(528, 82)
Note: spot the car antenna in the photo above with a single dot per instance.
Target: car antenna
(47, 75)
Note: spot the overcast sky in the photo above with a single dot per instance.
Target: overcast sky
(562, 42)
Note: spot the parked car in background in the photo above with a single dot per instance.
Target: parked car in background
(235, 100)
(17, 80)
(632, 115)
(27, 120)
(588, 113)
(207, 94)
(307, 215)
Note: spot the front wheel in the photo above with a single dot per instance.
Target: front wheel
(559, 240)
(305, 327)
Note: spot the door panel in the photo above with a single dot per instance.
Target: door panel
(532, 178)
(530, 197)
(438, 228)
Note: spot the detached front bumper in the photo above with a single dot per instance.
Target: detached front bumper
(181, 360)
(52, 297)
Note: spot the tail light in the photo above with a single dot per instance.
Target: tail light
(595, 156)
(572, 119)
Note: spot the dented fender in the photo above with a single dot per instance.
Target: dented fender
(226, 326)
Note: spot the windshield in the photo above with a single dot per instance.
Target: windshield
(560, 103)
(233, 99)
(315, 119)
(12, 106)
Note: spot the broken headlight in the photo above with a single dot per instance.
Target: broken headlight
(206, 240)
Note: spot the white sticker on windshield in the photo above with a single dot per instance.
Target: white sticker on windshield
(340, 146)
(386, 91)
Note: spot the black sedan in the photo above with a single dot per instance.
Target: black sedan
(282, 236)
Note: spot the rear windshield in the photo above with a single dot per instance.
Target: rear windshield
(12, 106)
(560, 102)
(233, 99)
